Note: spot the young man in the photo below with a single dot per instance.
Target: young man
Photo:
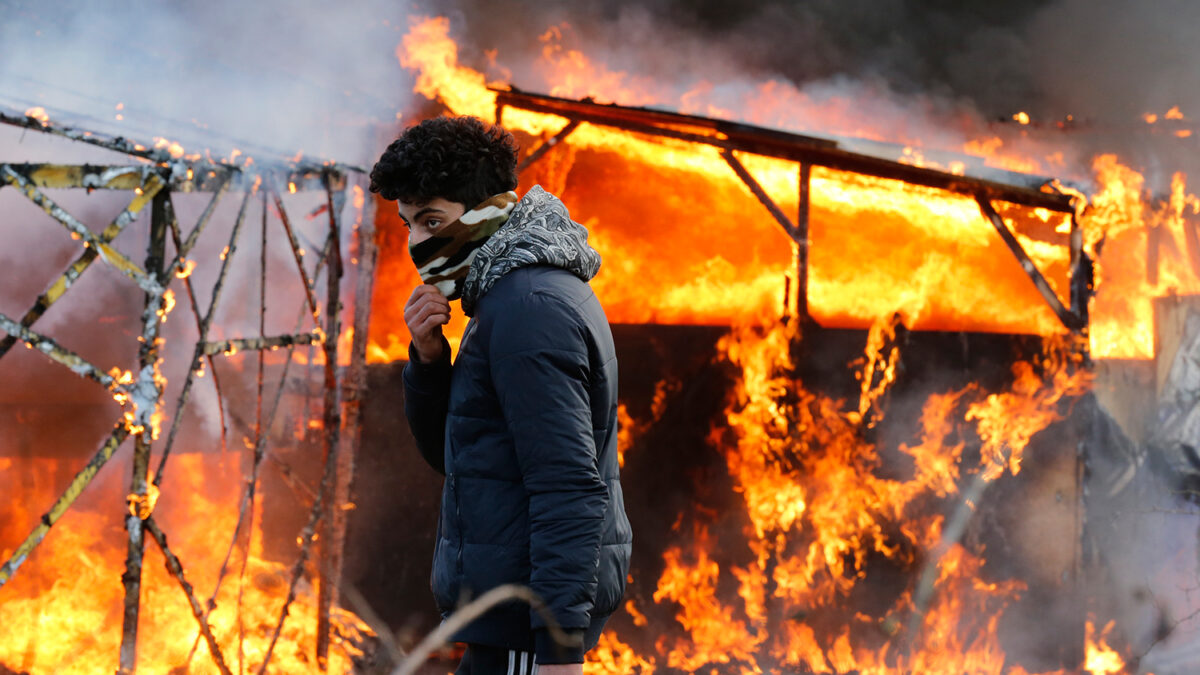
(524, 423)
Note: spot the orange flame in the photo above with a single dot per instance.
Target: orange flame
(817, 511)
(1101, 659)
(699, 249)
(38, 113)
(71, 583)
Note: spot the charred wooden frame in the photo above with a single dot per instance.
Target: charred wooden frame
(807, 152)
(153, 179)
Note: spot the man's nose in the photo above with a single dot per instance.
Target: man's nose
(416, 236)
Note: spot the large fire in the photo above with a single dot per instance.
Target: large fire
(818, 513)
(62, 612)
(684, 242)
(877, 246)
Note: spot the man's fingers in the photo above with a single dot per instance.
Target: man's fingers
(425, 292)
(417, 304)
(428, 322)
(430, 328)
(418, 315)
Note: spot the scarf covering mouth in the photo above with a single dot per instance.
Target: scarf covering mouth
(444, 259)
(539, 231)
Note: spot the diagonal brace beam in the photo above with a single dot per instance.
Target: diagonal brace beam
(205, 324)
(58, 353)
(176, 569)
(79, 230)
(548, 145)
(1069, 319)
(77, 268)
(183, 250)
(780, 217)
(119, 433)
(297, 253)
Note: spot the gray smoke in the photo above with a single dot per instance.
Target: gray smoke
(284, 77)
(323, 77)
(935, 70)
(1107, 60)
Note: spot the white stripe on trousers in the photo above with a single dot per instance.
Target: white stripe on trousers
(528, 665)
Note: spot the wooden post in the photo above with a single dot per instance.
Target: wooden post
(333, 417)
(354, 385)
(139, 506)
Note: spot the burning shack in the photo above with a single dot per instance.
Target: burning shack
(835, 485)
(873, 418)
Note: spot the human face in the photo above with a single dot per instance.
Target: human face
(423, 219)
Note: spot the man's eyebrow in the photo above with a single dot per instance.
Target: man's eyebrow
(418, 214)
(426, 210)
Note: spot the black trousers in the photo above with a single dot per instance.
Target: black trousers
(485, 660)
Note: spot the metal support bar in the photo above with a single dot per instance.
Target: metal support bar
(256, 455)
(82, 479)
(80, 231)
(1082, 275)
(771, 143)
(121, 145)
(1070, 320)
(802, 241)
(176, 569)
(148, 383)
(780, 217)
(548, 145)
(797, 232)
(77, 268)
(315, 515)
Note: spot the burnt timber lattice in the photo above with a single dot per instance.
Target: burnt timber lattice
(152, 179)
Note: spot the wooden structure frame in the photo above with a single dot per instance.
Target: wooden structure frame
(152, 178)
(808, 152)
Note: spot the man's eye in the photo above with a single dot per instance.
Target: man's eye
(432, 223)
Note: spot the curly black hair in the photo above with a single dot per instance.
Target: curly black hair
(460, 159)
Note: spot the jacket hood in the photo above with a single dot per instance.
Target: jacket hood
(539, 232)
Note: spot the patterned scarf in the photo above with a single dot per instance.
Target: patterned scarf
(443, 260)
(539, 232)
